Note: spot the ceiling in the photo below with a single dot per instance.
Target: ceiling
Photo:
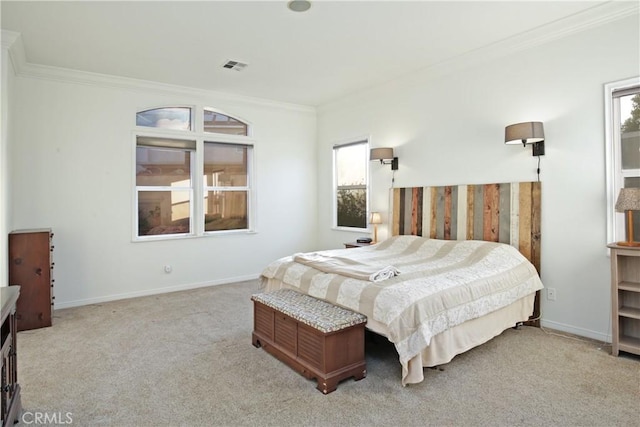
(334, 49)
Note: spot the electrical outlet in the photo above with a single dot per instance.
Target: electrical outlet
(551, 294)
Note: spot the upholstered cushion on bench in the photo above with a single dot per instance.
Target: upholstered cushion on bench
(314, 337)
(311, 311)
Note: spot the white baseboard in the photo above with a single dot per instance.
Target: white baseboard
(576, 331)
(156, 291)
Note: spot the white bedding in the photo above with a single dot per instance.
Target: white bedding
(441, 284)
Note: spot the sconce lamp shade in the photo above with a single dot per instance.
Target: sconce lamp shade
(385, 155)
(629, 201)
(381, 154)
(375, 218)
(524, 133)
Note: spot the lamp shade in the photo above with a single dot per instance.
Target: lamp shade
(381, 154)
(375, 218)
(524, 133)
(628, 200)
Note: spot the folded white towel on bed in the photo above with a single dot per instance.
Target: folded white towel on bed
(346, 267)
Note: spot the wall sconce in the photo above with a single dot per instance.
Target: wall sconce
(385, 155)
(526, 133)
(375, 218)
(629, 201)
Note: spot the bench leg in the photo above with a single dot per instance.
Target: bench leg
(361, 375)
(327, 386)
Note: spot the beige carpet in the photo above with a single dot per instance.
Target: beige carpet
(186, 358)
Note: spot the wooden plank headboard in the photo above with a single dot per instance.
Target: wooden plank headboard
(506, 212)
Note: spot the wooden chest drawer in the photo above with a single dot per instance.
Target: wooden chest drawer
(329, 357)
(31, 267)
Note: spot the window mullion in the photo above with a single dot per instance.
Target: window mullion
(198, 189)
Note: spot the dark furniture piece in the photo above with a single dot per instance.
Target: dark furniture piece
(10, 405)
(315, 338)
(356, 245)
(30, 266)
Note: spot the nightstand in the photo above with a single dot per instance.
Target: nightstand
(356, 245)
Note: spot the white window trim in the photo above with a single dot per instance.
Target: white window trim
(219, 111)
(614, 176)
(249, 188)
(197, 205)
(334, 204)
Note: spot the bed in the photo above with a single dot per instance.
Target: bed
(466, 260)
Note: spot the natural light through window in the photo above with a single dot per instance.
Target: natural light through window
(168, 201)
(351, 192)
(623, 151)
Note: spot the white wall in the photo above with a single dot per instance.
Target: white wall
(6, 98)
(4, 109)
(71, 156)
(448, 128)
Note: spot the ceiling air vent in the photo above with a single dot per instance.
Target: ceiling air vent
(235, 65)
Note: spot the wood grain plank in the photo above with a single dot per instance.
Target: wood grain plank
(440, 213)
(407, 210)
(432, 214)
(395, 226)
(426, 211)
(416, 211)
(514, 228)
(491, 214)
(536, 233)
(454, 212)
(524, 245)
(446, 217)
(478, 213)
(470, 211)
(504, 213)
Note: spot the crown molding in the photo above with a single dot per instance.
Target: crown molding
(596, 16)
(13, 42)
(8, 38)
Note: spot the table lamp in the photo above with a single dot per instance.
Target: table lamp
(629, 201)
(375, 219)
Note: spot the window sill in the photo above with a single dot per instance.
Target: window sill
(169, 237)
(352, 230)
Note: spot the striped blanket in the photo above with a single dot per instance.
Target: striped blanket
(443, 284)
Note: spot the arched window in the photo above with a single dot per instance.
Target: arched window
(166, 118)
(215, 122)
(171, 200)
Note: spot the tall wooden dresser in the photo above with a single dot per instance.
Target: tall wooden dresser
(10, 405)
(30, 266)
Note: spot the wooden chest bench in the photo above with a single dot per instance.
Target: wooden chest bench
(315, 338)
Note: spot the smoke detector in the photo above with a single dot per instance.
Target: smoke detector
(235, 65)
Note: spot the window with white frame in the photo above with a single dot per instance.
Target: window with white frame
(170, 199)
(622, 108)
(226, 186)
(350, 169)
